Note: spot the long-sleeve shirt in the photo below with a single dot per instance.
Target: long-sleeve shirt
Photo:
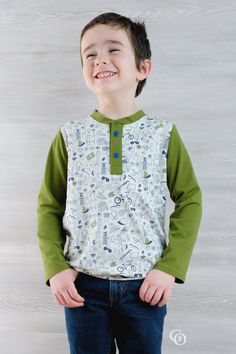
(102, 200)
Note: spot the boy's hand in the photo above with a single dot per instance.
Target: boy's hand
(156, 286)
(63, 288)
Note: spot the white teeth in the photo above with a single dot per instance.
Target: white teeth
(105, 75)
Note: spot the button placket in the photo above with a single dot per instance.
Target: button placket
(116, 148)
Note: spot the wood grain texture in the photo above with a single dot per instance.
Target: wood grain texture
(192, 84)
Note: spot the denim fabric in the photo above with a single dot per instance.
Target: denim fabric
(113, 310)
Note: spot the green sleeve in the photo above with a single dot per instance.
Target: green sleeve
(51, 207)
(185, 221)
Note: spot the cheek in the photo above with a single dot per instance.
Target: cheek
(126, 66)
(87, 71)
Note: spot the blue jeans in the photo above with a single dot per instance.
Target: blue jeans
(113, 310)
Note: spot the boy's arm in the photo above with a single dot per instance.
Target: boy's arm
(185, 220)
(51, 207)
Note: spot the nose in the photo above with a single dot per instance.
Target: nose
(100, 62)
(101, 59)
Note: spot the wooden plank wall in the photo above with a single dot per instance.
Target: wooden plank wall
(192, 84)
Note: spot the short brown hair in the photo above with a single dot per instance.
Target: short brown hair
(136, 32)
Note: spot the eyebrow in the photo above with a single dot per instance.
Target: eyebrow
(107, 41)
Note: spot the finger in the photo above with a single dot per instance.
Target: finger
(60, 300)
(156, 297)
(165, 298)
(74, 294)
(65, 300)
(77, 304)
(69, 301)
(149, 294)
(142, 291)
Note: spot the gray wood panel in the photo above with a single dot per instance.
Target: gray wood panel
(192, 84)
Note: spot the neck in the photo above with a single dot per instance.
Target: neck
(116, 109)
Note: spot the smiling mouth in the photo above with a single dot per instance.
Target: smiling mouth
(105, 77)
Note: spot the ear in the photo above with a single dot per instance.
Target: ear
(145, 68)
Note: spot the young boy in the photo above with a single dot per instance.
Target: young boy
(101, 205)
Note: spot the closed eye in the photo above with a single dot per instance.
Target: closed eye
(91, 55)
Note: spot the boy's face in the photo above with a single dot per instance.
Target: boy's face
(106, 56)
